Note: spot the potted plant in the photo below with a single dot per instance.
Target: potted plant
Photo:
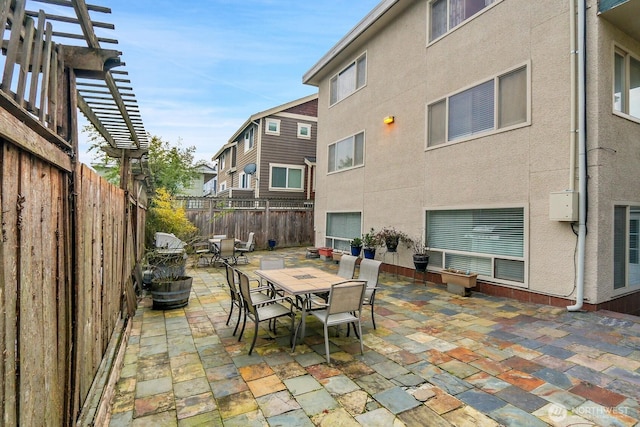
(391, 238)
(356, 246)
(370, 241)
(459, 282)
(170, 286)
(420, 254)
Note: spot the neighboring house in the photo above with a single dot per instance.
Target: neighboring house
(489, 151)
(272, 155)
(204, 183)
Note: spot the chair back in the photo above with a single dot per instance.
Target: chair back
(231, 280)
(245, 291)
(227, 248)
(271, 263)
(346, 297)
(249, 243)
(347, 266)
(369, 272)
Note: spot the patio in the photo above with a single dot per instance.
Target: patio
(435, 359)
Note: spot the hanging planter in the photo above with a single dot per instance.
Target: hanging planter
(392, 243)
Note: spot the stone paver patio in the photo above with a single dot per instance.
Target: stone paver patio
(435, 359)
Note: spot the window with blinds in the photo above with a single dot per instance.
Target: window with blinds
(350, 79)
(474, 110)
(448, 14)
(626, 246)
(342, 227)
(489, 242)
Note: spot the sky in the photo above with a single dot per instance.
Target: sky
(201, 68)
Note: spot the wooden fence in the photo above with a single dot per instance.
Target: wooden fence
(288, 222)
(70, 240)
(66, 262)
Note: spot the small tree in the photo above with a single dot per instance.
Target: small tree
(165, 216)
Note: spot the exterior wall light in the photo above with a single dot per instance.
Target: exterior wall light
(389, 119)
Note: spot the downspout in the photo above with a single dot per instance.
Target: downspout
(582, 158)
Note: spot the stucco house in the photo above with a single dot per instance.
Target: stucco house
(507, 132)
(272, 155)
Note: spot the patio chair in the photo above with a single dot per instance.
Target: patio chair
(227, 251)
(203, 251)
(347, 266)
(236, 297)
(369, 272)
(245, 247)
(346, 269)
(272, 263)
(344, 306)
(261, 310)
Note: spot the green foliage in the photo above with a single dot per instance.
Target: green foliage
(167, 217)
(356, 242)
(371, 240)
(171, 167)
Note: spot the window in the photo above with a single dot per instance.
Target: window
(347, 153)
(474, 111)
(223, 186)
(342, 228)
(245, 180)
(304, 131)
(273, 127)
(286, 177)
(248, 139)
(447, 14)
(350, 79)
(489, 242)
(626, 91)
(626, 246)
(222, 161)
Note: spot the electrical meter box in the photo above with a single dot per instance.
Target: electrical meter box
(563, 206)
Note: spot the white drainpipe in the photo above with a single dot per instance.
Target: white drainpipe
(582, 158)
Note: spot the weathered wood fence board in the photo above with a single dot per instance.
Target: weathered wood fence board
(67, 257)
(288, 222)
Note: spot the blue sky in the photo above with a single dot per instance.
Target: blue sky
(200, 68)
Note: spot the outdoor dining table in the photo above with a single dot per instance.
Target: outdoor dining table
(302, 283)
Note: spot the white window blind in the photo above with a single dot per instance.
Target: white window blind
(487, 241)
(471, 111)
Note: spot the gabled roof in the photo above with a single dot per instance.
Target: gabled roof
(261, 115)
(377, 18)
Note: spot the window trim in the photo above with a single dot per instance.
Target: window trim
(525, 244)
(247, 178)
(496, 109)
(626, 54)
(287, 188)
(627, 288)
(272, 132)
(355, 64)
(342, 239)
(364, 145)
(249, 139)
(300, 127)
(460, 25)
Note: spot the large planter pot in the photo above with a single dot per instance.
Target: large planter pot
(271, 243)
(369, 253)
(421, 261)
(461, 279)
(391, 243)
(355, 250)
(171, 293)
